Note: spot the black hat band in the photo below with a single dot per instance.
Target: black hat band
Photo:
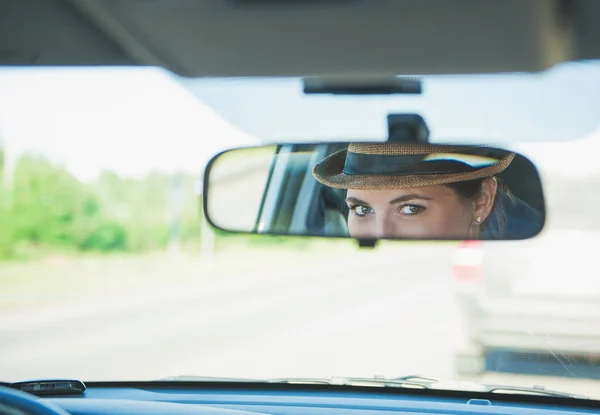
(400, 165)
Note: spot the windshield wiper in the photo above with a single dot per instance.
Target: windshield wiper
(411, 381)
(535, 390)
(479, 387)
(350, 381)
(422, 382)
(354, 381)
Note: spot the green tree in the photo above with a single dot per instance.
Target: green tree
(51, 208)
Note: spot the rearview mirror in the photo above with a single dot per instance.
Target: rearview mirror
(372, 191)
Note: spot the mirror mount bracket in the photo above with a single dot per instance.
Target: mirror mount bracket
(367, 243)
(407, 128)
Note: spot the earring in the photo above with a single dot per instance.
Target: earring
(478, 219)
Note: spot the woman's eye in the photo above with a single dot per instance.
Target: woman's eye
(410, 210)
(361, 210)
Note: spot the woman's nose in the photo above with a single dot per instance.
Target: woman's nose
(385, 227)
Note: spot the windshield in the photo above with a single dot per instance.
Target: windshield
(108, 270)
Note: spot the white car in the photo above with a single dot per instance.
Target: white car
(519, 301)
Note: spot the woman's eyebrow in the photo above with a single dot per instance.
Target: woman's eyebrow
(356, 201)
(408, 197)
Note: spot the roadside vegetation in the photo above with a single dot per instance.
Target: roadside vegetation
(45, 208)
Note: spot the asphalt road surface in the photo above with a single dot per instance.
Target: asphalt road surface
(377, 313)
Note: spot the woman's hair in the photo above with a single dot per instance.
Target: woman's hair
(470, 189)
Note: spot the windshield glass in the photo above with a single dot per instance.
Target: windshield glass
(559, 104)
(108, 270)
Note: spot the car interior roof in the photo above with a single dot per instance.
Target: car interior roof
(301, 37)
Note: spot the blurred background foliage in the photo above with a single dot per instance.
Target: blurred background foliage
(44, 207)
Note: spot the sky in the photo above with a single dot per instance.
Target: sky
(127, 120)
(134, 120)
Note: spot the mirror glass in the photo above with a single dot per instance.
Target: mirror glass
(375, 191)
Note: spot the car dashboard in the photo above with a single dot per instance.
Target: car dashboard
(173, 398)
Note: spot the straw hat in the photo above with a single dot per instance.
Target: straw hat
(401, 165)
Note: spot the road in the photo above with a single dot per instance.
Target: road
(373, 313)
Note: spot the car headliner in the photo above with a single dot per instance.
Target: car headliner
(301, 37)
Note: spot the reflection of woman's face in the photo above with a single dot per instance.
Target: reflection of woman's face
(424, 212)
